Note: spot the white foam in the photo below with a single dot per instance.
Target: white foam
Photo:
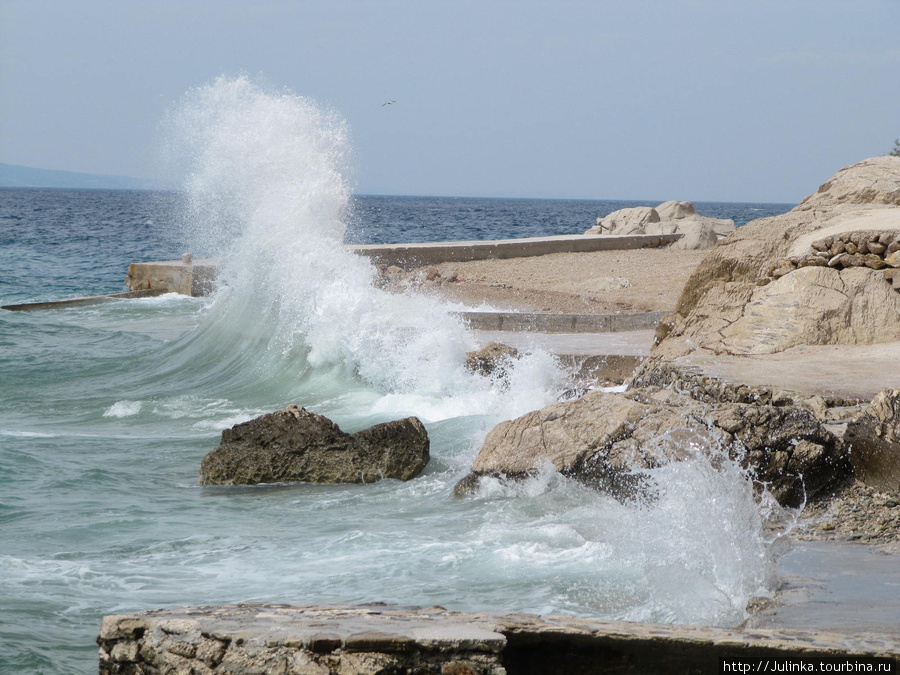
(268, 187)
(123, 409)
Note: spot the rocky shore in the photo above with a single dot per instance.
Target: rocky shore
(764, 301)
(767, 302)
(255, 638)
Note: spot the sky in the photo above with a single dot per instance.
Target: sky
(700, 100)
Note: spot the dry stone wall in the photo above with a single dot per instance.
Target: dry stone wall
(877, 250)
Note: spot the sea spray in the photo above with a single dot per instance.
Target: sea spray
(693, 552)
(268, 193)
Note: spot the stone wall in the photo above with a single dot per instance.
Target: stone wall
(873, 249)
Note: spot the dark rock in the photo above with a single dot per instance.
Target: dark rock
(298, 445)
(786, 449)
(874, 440)
(491, 359)
(607, 441)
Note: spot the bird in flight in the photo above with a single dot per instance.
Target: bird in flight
(388, 103)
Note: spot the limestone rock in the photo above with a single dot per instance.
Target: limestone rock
(872, 181)
(670, 217)
(491, 359)
(786, 447)
(735, 303)
(874, 439)
(607, 440)
(672, 210)
(698, 233)
(297, 445)
(626, 221)
(815, 306)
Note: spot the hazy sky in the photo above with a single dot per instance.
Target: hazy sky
(731, 100)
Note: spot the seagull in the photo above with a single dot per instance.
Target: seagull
(388, 103)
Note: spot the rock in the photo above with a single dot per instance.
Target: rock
(607, 440)
(723, 308)
(786, 448)
(297, 445)
(874, 440)
(670, 217)
(254, 637)
(672, 210)
(698, 233)
(626, 221)
(811, 306)
(872, 181)
(491, 359)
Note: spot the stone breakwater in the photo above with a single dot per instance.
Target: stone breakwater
(876, 250)
(267, 638)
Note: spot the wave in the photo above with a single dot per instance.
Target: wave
(266, 177)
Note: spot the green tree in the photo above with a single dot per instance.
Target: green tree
(896, 151)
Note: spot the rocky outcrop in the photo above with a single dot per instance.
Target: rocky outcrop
(254, 638)
(298, 445)
(748, 296)
(874, 440)
(670, 217)
(608, 441)
(872, 181)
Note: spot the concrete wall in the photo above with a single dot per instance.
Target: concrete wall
(561, 323)
(198, 277)
(417, 255)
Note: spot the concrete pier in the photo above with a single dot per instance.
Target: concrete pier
(432, 253)
(197, 277)
(76, 302)
(186, 276)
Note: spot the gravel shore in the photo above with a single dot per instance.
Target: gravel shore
(601, 282)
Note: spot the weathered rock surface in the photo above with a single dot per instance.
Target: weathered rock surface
(491, 359)
(606, 440)
(769, 287)
(297, 445)
(254, 638)
(874, 439)
(672, 217)
(872, 181)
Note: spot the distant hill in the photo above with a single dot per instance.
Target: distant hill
(13, 175)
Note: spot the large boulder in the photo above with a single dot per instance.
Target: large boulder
(626, 221)
(609, 440)
(820, 274)
(697, 233)
(874, 440)
(672, 217)
(298, 445)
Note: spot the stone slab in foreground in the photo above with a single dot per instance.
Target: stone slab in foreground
(269, 638)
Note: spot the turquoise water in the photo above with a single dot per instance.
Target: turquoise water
(107, 410)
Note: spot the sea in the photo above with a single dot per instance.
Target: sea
(106, 410)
